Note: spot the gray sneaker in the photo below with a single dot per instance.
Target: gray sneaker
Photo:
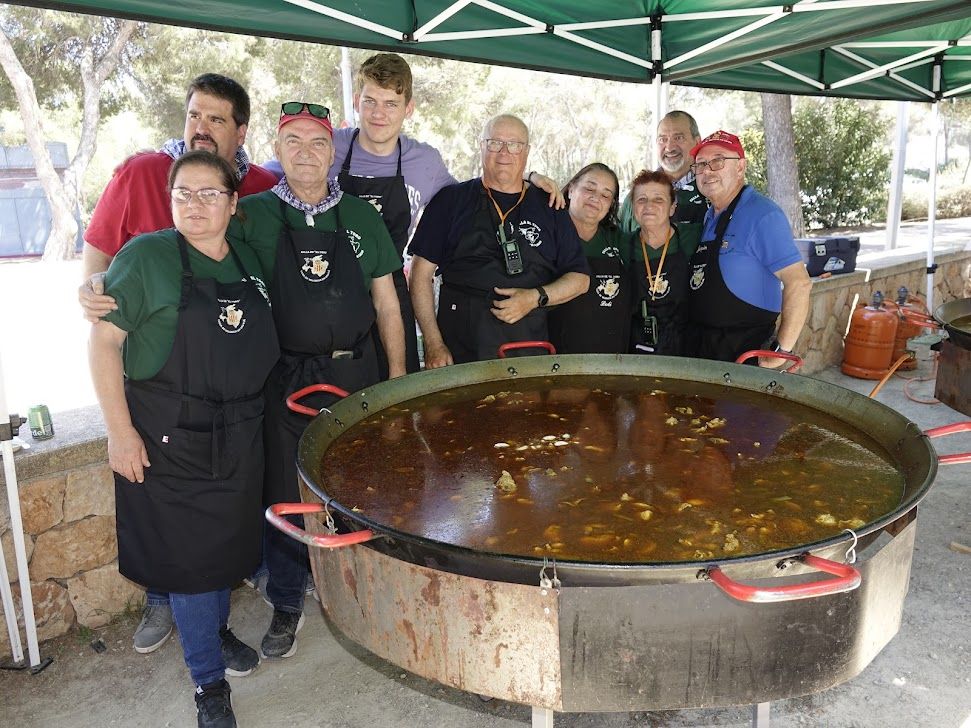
(280, 639)
(154, 629)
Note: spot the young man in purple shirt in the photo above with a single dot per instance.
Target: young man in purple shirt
(396, 174)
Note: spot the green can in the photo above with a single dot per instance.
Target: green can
(39, 421)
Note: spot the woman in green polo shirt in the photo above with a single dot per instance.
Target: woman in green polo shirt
(179, 369)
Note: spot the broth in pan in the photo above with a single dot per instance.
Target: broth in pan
(613, 469)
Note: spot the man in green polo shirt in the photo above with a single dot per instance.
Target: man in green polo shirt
(328, 259)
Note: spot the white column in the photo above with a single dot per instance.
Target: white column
(347, 84)
(895, 204)
(659, 95)
(932, 184)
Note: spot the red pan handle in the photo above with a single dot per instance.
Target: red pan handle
(509, 346)
(309, 411)
(957, 458)
(916, 317)
(275, 515)
(848, 580)
(765, 354)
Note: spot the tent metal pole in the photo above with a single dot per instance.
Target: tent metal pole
(897, 167)
(932, 200)
(20, 551)
(347, 86)
(932, 180)
(659, 88)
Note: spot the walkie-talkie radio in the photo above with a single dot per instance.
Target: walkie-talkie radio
(510, 253)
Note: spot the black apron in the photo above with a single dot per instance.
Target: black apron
(389, 197)
(322, 308)
(469, 329)
(598, 321)
(667, 306)
(722, 326)
(195, 524)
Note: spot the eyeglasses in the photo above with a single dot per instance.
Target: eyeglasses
(291, 108)
(496, 145)
(676, 138)
(715, 164)
(207, 196)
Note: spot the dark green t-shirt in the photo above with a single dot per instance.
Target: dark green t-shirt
(258, 223)
(686, 238)
(606, 243)
(145, 279)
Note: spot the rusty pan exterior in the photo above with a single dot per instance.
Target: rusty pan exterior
(616, 637)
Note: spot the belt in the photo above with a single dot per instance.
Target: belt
(354, 353)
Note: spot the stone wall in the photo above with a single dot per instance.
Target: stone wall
(833, 299)
(67, 503)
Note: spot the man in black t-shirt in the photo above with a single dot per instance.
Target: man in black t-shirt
(503, 255)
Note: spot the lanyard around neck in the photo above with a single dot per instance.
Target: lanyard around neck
(653, 280)
(502, 217)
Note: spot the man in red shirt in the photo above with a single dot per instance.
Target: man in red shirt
(136, 199)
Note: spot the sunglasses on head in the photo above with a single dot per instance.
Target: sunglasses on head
(291, 108)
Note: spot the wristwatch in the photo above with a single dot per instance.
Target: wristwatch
(543, 297)
(773, 345)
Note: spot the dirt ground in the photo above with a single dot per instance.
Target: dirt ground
(922, 678)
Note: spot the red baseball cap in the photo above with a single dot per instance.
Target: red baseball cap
(720, 139)
(293, 110)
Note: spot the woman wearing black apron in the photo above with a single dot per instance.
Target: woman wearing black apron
(390, 197)
(185, 427)
(597, 321)
(659, 254)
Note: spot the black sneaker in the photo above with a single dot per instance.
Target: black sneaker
(214, 708)
(240, 659)
(280, 639)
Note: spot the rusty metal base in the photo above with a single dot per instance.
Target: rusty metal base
(953, 386)
(616, 648)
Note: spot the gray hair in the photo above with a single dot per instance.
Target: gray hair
(692, 124)
(487, 129)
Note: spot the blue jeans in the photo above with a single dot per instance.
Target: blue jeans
(155, 599)
(199, 617)
(286, 561)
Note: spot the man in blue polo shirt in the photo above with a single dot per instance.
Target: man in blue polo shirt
(503, 254)
(747, 270)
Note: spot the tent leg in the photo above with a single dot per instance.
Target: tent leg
(932, 199)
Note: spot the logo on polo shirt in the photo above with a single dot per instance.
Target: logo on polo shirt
(531, 231)
(231, 317)
(610, 251)
(315, 268)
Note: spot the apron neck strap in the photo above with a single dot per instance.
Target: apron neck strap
(346, 165)
(186, 271)
(721, 226)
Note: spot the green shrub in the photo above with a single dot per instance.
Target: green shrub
(844, 166)
(954, 203)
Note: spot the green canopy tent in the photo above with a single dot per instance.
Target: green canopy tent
(715, 43)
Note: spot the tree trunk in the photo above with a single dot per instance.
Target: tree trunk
(782, 168)
(63, 195)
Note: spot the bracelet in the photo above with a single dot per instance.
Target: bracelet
(529, 176)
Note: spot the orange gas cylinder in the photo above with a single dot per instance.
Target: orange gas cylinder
(870, 340)
(906, 329)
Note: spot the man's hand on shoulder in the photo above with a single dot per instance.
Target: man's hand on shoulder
(93, 302)
(519, 302)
